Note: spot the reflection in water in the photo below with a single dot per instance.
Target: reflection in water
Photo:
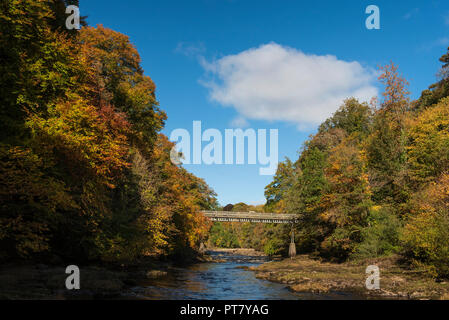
(219, 281)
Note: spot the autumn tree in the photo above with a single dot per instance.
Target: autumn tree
(85, 174)
(346, 202)
(428, 146)
(116, 78)
(426, 234)
(39, 70)
(385, 147)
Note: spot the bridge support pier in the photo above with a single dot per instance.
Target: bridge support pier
(292, 247)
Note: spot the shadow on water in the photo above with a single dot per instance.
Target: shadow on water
(224, 280)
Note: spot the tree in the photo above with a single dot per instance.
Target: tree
(353, 117)
(275, 192)
(116, 77)
(305, 196)
(85, 175)
(428, 144)
(385, 147)
(31, 201)
(240, 207)
(346, 202)
(38, 66)
(426, 235)
(175, 198)
(438, 90)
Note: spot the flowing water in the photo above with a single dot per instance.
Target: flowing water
(222, 280)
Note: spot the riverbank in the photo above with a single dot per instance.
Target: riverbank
(219, 274)
(40, 281)
(306, 275)
(301, 275)
(238, 251)
(24, 280)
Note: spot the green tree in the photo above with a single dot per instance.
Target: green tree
(305, 196)
(385, 148)
(276, 191)
(353, 117)
(438, 90)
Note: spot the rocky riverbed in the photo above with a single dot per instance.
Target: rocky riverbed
(306, 275)
(216, 275)
(40, 281)
(23, 280)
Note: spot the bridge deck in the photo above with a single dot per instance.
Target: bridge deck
(250, 217)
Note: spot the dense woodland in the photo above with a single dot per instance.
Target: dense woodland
(85, 174)
(372, 182)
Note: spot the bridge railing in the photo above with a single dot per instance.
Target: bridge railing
(250, 215)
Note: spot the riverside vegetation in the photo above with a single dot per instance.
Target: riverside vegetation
(86, 176)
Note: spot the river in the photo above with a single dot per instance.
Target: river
(224, 280)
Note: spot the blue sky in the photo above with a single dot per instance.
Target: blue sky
(242, 62)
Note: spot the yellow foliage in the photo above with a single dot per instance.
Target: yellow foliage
(426, 235)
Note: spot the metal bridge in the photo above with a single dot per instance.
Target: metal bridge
(230, 216)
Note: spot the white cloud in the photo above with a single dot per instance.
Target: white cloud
(273, 82)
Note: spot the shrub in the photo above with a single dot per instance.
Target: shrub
(274, 247)
(381, 237)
